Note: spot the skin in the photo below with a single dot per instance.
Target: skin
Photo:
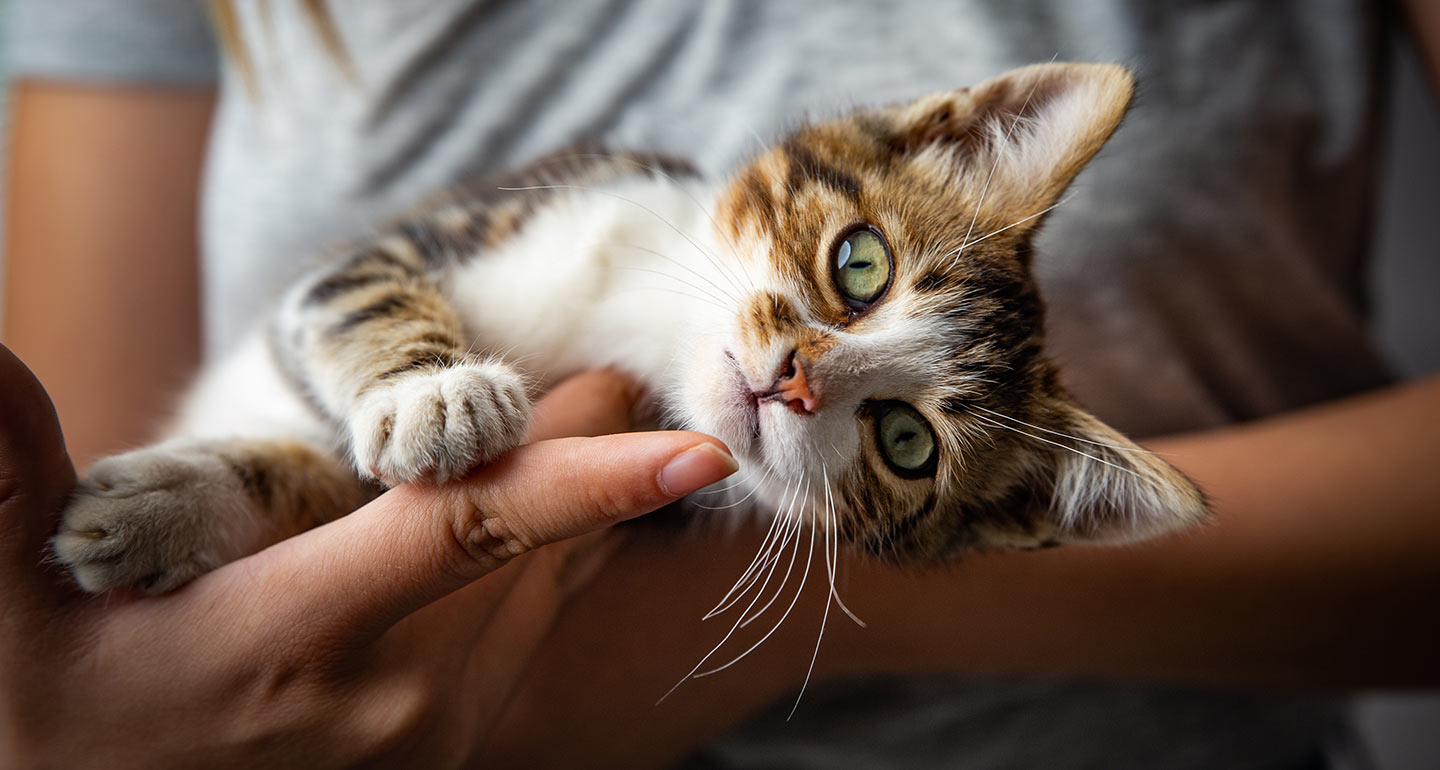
(82, 154)
(1317, 573)
(1295, 584)
(375, 640)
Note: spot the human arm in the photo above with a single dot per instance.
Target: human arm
(1317, 572)
(1423, 19)
(378, 638)
(101, 290)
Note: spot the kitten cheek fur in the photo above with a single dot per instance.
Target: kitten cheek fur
(958, 181)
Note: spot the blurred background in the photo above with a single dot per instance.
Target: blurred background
(1402, 730)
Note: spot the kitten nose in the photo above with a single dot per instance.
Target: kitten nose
(794, 387)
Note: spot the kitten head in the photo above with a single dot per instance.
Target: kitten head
(885, 364)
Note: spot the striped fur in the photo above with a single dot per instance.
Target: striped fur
(413, 355)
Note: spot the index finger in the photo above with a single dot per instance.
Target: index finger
(416, 544)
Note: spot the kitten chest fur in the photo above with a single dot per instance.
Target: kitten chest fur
(622, 277)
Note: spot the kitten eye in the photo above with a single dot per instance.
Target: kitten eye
(862, 267)
(906, 441)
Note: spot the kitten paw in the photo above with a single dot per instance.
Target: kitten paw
(152, 520)
(437, 426)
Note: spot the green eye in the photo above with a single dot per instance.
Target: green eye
(906, 441)
(862, 267)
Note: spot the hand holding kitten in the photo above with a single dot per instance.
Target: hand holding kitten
(368, 638)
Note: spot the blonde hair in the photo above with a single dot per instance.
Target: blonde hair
(322, 23)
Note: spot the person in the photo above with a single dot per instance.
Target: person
(1243, 169)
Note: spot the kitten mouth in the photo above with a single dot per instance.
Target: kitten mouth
(747, 397)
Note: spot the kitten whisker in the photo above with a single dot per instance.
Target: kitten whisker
(799, 521)
(740, 480)
(1102, 461)
(675, 278)
(998, 157)
(582, 188)
(733, 628)
(967, 244)
(683, 266)
(682, 294)
(742, 500)
(1116, 447)
(677, 184)
(772, 556)
(831, 541)
(775, 524)
(834, 522)
(810, 557)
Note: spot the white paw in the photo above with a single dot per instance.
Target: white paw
(437, 426)
(152, 520)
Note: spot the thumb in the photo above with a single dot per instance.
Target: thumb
(35, 472)
(415, 544)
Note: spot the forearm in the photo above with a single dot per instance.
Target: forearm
(1423, 18)
(1316, 571)
(101, 244)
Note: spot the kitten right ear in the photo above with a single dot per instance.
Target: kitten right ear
(1106, 489)
(1016, 140)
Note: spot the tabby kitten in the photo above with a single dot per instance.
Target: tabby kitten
(852, 313)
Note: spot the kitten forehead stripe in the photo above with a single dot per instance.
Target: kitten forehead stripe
(806, 166)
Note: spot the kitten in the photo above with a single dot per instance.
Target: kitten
(852, 313)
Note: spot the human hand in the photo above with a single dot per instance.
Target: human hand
(381, 638)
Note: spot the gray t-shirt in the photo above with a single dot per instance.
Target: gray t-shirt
(1210, 267)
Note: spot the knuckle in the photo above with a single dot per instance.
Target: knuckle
(607, 503)
(392, 720)
(485, 539)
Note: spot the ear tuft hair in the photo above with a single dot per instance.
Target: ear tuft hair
(1109, 490)
(1016, 140)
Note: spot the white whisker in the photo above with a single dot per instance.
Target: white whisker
(793, 601)
(998, 156)
(683, 294)
(772, 557)
(1016, 223)
(657, 171)
(729, 633)
(831, 541)
(716, 300)
(835, 524)
(799, 521)
(1062, 446)
(1117, 447)
(723, 291)
(739, 481)
(710, 258)
(742, 500)
(775, 524)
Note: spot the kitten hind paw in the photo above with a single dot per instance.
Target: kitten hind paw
(436, 426)
(150, 520)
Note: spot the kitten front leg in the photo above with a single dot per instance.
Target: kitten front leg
(377, 346)
(157, 517)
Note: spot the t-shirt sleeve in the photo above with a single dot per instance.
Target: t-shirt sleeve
(167, 42)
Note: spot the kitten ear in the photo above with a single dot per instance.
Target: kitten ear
(1108, 490)
(1018, 139)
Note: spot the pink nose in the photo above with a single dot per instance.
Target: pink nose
(794, 388)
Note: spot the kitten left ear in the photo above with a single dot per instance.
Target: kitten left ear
(1108, 490)
(1017, 139)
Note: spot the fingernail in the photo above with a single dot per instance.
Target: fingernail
(696, 468)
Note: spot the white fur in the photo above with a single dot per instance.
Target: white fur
(438, 425)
